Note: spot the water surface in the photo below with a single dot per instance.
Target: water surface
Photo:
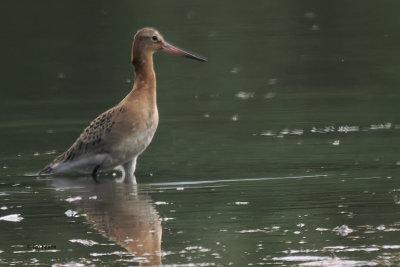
(282, 149)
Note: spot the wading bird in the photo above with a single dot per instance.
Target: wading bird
(118, 136)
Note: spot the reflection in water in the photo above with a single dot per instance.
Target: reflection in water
(120, 213)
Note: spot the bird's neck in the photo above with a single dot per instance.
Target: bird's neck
(145, 79)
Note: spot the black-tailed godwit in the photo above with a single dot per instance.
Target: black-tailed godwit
(118, 136)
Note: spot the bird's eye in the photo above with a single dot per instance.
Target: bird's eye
(154, 38)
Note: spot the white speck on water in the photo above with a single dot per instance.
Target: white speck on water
(198, 248)
(339, 262)
(315, 27)
(190, 14)
(235, 117)
(391, 246)
(326, 129)
(61, 75)
(72, 199)
(297, 132)
(343, 230)
(212, 34)
(235, 70)
(12, 218)
(158, 203)
(269, 95)
(128, 81)
(166, 219)
(128, 240)
(245, 95)
(238, 203)
(180, 188)
(4, 167)
(36, 154)
(252, 231)
(3, 208)
(118, 253)
(300, 258)
(385, 126)
(309, 15)
(336, 142)
(320, 229)
(15, 184)
(206, 115)
(51, 152)
(272, 81)
(267, 133)
(85, 242)
(381, 227)
(347, 129)
(93, 197)
(71, 213)
(296, 232)
(301, 225)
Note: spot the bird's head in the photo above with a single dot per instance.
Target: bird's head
(149, 40)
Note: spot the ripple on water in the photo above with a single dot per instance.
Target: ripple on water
(323, 261)
(330, 129)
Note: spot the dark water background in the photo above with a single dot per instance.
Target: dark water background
(282, 149)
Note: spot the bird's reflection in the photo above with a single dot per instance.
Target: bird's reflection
(123, 213)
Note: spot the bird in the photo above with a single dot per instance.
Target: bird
(118, 136)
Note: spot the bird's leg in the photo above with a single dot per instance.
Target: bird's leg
(94, 173)
(129, 171)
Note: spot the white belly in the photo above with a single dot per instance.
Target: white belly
(129, 148)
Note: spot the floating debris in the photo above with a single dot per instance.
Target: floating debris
(72, 199)
(71, 213)
(269, 95)
(272, 81)
(315, 27)
(245, 95)
(161, 203)
(343, 230)
(12, 218)
(309, 15)
(336, 142)
(235, 70)
(385, 126)
(87, 243)
(235, 117)
(320, 229)
(241, 203)
(347, 129)
(252, 231)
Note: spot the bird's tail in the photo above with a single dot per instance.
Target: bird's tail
(46, 171)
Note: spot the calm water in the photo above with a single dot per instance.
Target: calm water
(282, 149)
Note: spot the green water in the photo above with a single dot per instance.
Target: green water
(282, 149)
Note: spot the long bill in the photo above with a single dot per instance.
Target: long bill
(177, 51)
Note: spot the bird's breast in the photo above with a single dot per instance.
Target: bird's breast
(135, 135)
